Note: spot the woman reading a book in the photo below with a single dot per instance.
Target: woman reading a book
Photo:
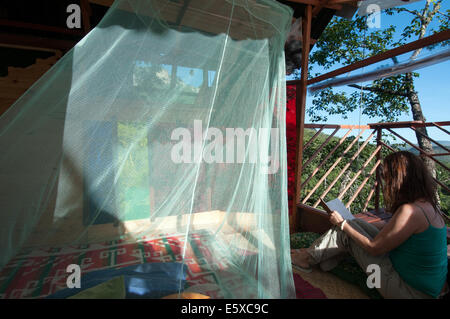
(411, 249)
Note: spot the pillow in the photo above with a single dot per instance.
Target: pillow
(111, 289)
(186, 295)
(150, 280)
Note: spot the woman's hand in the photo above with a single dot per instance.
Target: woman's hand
(336, 218)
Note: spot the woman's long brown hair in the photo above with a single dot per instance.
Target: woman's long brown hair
(405, 180)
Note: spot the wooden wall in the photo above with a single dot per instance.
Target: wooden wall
(19, 80)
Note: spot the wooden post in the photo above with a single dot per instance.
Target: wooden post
(86, 15)
(300, 105)
(378, 177)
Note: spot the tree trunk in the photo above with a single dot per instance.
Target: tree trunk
(417, 113)
(423, 142)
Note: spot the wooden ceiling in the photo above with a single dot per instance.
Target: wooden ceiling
(318, 4)
(41, 29)
(40, 26)
(207, 16)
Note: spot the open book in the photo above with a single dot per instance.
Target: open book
(339, 206)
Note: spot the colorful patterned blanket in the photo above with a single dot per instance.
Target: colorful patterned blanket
(40, 272)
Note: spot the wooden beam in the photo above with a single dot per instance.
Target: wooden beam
(345, 126)
(86, 13)
(317, 3)
(353, 3)
(313, 138)
(313, 156)
(364, 182)
(378, 173)
(372, 191)
(435, 38)
(442, 185)
(317, 168)
(438, 125)
(105, 3)
(408, 124)
(333, 4)
(301, 91)
(35, 42)
(431, 140)
(313, 219)
(319, 7)
(38, 27)
(421, 151)
(357, 174)
(182, 12)
(340, 158)
(204, 17)
(345, 168)
(24, 47)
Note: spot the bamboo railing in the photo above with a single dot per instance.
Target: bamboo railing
(354, 172)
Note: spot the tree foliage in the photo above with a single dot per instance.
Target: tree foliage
(347, 41)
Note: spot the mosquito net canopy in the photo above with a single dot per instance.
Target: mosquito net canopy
(159, 138)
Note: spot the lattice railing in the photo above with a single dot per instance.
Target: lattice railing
(342, 165)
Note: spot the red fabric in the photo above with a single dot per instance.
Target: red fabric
(291, 140)
(304, 290)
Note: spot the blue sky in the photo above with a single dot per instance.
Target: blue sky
(433, 85)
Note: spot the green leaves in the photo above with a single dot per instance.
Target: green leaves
(385, 98)
(327, 102)
(345, 42)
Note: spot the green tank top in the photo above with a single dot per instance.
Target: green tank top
(421, 261)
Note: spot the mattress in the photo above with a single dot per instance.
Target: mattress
(40, 272)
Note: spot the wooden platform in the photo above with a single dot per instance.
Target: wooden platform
(316, 220)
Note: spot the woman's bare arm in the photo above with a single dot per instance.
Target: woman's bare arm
(400, 227)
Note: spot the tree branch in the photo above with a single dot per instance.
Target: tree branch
(425, 10)
(435, 10)
(445, 15)
(415, 13)
(378, 90)
(425, 19)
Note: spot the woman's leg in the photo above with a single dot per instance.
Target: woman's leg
(328, 249)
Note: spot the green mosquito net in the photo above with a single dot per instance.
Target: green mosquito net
(158, 139)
